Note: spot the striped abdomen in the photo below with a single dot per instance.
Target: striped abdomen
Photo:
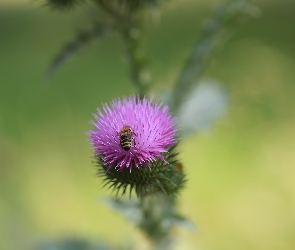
(126, 138)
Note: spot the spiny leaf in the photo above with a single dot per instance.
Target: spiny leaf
(83, 39)
(184, 222)
(206, 102)
(202, 50)
(130, 209)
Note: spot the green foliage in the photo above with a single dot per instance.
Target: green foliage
(160, 178)
(207, 102)
(130, 209)
(203, 49)
(83, 39)
(159, 217)
(155, 216)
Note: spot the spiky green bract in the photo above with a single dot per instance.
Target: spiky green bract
(62, 4)
(160, 178)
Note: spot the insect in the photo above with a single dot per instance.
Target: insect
(126, 138)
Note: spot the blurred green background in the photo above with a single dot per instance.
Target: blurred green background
(241, 187)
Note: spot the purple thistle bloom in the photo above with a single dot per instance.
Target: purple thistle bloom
(149, 130)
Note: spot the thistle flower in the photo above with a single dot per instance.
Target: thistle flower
(132, 133)
(135, 146)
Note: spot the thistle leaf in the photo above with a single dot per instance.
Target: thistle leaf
(182, 221)
(206, 102)
(83, 39)
(204, 47)
(129, 209)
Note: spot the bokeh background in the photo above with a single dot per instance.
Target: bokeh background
(241, 187)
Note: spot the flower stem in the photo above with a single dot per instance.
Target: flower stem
(130, 26)
(156, 222)
(140, 77)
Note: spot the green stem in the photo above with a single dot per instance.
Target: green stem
(130, 25)
(140, 77)
(156, 222)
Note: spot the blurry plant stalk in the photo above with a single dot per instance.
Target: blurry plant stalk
(140, 75)
(130, 24)
(157, 223)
